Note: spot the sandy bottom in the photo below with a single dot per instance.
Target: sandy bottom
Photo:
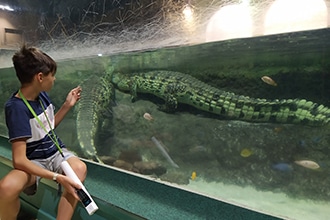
(276, 204)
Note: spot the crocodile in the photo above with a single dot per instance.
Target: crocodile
(176, 87)
(97, 95)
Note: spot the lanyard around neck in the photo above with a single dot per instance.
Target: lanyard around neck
(54, 139)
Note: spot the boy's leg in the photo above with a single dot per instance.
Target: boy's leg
(10, 187)
(67, 202)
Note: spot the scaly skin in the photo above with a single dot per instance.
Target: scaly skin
(97, 94)
(175, 87)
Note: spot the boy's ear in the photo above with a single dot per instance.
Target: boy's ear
(39, 76)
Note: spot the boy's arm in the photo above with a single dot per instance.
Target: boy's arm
(21, 162)
(70, 101)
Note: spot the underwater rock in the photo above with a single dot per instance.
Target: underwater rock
(108, 159)
(149, 168)
(123, 113)
(198, 154)
(130, 156)
(176, 177)
(123, 165)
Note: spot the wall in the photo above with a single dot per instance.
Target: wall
(10, 34)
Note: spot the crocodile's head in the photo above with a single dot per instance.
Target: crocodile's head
(109, 70)
(121, 81)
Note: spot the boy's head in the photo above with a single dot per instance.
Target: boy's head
(30, 61)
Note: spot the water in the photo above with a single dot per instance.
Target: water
(199, 142)
(265, 177)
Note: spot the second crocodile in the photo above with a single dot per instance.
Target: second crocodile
(176, 87)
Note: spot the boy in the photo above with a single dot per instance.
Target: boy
(35, 151)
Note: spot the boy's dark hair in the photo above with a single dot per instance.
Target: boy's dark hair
(29, 61)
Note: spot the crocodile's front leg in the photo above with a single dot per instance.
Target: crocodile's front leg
(125, 83)
(172, 91)
(133, 88)
(171, 104)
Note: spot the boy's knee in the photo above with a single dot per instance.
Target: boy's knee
(80, 169)
(14, 183)
(9, 188)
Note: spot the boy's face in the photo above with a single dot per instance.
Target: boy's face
(48, 81)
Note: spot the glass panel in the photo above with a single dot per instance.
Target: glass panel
(185, 92)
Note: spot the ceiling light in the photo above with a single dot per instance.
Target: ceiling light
(6, 7)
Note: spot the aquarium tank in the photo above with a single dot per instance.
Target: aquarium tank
(228, 99)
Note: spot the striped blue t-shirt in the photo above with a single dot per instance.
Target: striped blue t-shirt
(22, 124)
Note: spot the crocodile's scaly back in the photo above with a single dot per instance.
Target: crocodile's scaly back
(176, 87)
(97, 93)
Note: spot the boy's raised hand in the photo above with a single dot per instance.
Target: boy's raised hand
(73, 96)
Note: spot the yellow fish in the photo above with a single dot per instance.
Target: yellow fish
(308, 164)
(269, 80)
(193, 175)
(246, 152)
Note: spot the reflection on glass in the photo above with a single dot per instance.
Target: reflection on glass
(231, 21)
(295, 15)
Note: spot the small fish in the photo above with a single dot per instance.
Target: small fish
(316, 140)
(246, 152)
(147, 116)
(308, 164)
(193, 175)
(284, 167)
(197, 149)
(269, 80)
(278, 129)
(302, 143)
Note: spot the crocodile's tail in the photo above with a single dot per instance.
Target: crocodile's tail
(297, 111)
(97, 93)
(228, 104)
